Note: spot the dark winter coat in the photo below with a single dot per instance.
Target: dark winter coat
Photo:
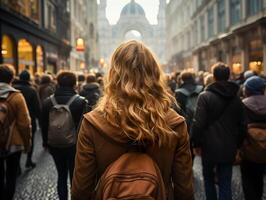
(193, 90)
(255, 107)
(92, 92)
(31, 97)
(211, 105)
(45, 90)
(62, 96)
(181, 98)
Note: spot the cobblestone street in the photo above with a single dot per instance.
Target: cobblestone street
(40, 183)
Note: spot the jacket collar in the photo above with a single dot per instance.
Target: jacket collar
(65, 91)
(5, 89)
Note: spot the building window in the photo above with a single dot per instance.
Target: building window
(27, 8)
(202, 28)
(25, 56)
(235, 11)
(221, 16)
(50, 16)
(210, 22)
(7, 50)
(39, 60)
(254, 6)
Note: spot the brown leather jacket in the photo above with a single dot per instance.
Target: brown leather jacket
(95, 153)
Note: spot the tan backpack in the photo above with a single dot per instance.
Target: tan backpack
(132, 176)
(254, 147)
(6, 124)
(61, 130)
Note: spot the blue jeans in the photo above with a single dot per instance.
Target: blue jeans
(223, 172)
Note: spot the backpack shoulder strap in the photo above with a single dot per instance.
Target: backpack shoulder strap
(53, 100)
(198, 89)
(72, 99)
(183, 91)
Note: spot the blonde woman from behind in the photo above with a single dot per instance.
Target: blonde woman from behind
(133, 118)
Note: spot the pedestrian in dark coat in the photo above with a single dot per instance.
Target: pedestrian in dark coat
(47, 87)
(91, 91)
(63, 156)
(33, 104)
(218, 131)
(255, 107)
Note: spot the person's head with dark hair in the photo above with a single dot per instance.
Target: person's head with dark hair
(98, 74)
(221, 72)
(91, 78)
(66, 79)
(7, 73)
(24, 75)
(188, 76)
(45, 79)
(81, 78)
(254, 85)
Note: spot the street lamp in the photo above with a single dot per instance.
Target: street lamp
(101, 62)
(80, 45)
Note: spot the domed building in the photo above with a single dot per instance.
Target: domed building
(132, 24)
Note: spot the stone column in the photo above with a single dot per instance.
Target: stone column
(215, 18)
(244, 9)
(227, 13)
(243, 45)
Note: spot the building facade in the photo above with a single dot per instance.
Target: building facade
(35, 34)
(132, 18)
(202, 32)
(84, 28)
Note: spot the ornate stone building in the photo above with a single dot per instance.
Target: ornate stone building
(35, 34)
(202, 32)
(132, 17)
(84, 26)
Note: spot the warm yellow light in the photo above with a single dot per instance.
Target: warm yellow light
(4, 52)
(237, 68)
(101, 61)
(82, 65)
(80, 45)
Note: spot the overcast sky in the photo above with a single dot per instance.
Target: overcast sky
(114, 8)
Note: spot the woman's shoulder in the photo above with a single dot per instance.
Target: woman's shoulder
(174, 119)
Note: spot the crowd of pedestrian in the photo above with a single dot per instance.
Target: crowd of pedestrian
(26, 103)
(136, 135)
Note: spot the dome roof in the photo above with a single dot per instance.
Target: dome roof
(132, 8)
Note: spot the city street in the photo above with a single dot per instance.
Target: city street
(40, 183)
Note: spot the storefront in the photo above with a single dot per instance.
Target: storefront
(27, 45)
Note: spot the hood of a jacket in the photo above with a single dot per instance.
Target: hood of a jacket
(21, 82)
(225, 89)
(190, 86)
(64, 91)
(91, 86)
(256, 104)
(99, 122)
(5, 89)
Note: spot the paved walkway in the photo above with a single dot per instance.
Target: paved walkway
(40, 183)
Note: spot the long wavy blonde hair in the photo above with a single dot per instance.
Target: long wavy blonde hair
(136, 99)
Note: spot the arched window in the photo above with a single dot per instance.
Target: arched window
(25, 56)
(39, 59)
(7, 50)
